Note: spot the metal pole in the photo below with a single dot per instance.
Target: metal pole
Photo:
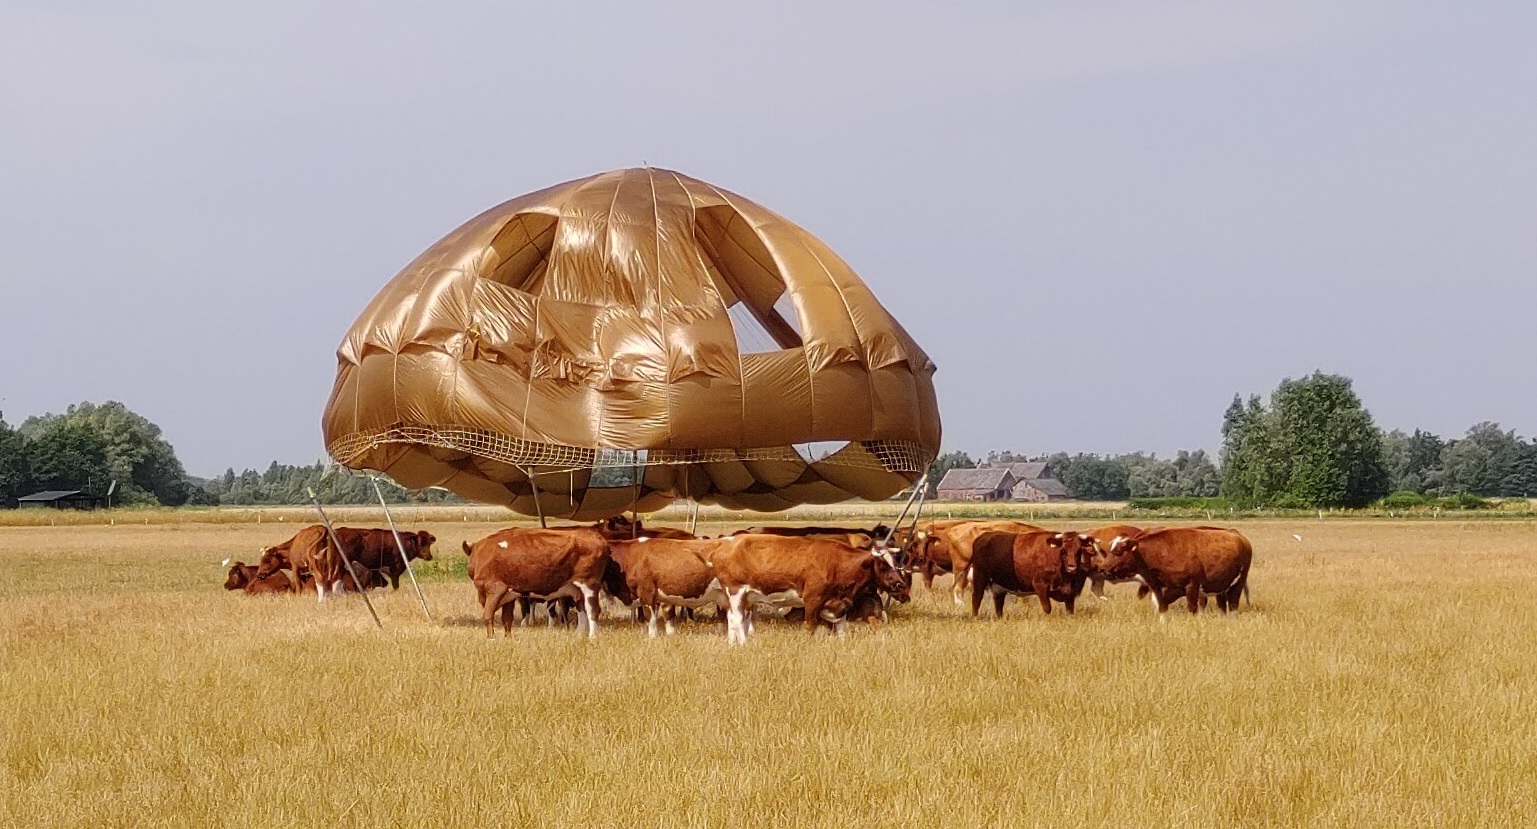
(538, 507)
(401, 546)
(693, 517)
(921, 486)
(331, 533)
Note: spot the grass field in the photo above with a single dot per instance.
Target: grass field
(1383, 678)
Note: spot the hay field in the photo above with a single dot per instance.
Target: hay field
(1383, 678)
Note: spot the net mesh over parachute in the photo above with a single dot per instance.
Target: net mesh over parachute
(590, 335)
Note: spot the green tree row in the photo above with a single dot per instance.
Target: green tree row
(88, 447)
(288, 484)
(1486, 461)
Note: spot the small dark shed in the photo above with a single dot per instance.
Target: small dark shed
(61, 499)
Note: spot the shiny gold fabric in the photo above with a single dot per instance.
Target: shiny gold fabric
(583, 332)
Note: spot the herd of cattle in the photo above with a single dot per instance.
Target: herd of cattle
(823, 576)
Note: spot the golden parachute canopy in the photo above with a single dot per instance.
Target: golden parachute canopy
(613, 343)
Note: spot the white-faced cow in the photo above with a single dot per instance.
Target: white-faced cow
(1192, 562)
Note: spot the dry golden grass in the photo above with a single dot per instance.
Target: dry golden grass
(1383, 678)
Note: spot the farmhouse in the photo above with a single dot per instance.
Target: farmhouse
(984, 484)
(1040, 489)
(60, 499)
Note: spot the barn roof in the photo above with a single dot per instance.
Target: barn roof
(1028, 471)
(985, 478)
(1050, 487)
(50, 495)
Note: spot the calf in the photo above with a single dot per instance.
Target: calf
(242, 577)
(1182, 561)
(539, 564)
(1043, 563)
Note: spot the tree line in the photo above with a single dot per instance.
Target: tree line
(1312, 444)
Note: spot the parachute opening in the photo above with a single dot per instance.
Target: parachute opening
(818, 449)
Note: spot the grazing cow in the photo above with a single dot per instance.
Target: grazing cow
(1107, 535)
(923, 553)
(954, 542)
(1182, 561)
(375, 549)
(540, 564)
(659, 575)
(308, 553)
(242, 577)
(1043, 563)
(823, 576)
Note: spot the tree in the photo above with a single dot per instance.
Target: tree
(15, 469)
(1413, 461)
(1315, 446)
(1093, 478)
(135, 455)
(944, 463)
(69, 455)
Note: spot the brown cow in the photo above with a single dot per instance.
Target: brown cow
(954, 542)
(1104, 536)
(825, 577)
(924, 554)
(242, 577)
(661, 574)
(539, 564)
(1047, 564)
(311, 558)
(376, 550)
(1182, 561)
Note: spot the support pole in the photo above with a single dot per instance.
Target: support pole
(538, 507)
(693, 517)
(401, 546)
(921, 486)
(331, 534)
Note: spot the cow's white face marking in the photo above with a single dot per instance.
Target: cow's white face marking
(1116, 542)
(502, 544)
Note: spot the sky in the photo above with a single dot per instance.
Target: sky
(1101, 220)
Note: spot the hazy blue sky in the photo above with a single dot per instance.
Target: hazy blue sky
(1101, 220)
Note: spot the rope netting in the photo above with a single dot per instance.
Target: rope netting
(888, 455)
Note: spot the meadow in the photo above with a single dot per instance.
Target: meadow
(1383, 677)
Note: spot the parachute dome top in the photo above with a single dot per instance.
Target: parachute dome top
(619, 341)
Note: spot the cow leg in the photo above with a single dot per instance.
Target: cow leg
(653, 611)
(1193, 599)
(588, 617)
(1068, 603)
(998, 599)
(1043, 592)
(1097, 586)
(668, 611)
(736, 624)
(494, 598)
(962, 581)
(976, 598)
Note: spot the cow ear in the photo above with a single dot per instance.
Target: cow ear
(1055, 540)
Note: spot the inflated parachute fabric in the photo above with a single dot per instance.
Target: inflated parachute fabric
(588, 334)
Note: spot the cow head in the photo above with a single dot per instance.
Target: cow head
(239, 576)
(888, 578)
(424, 541)
(1074, 551)
(273, 559)
(1116, 559)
